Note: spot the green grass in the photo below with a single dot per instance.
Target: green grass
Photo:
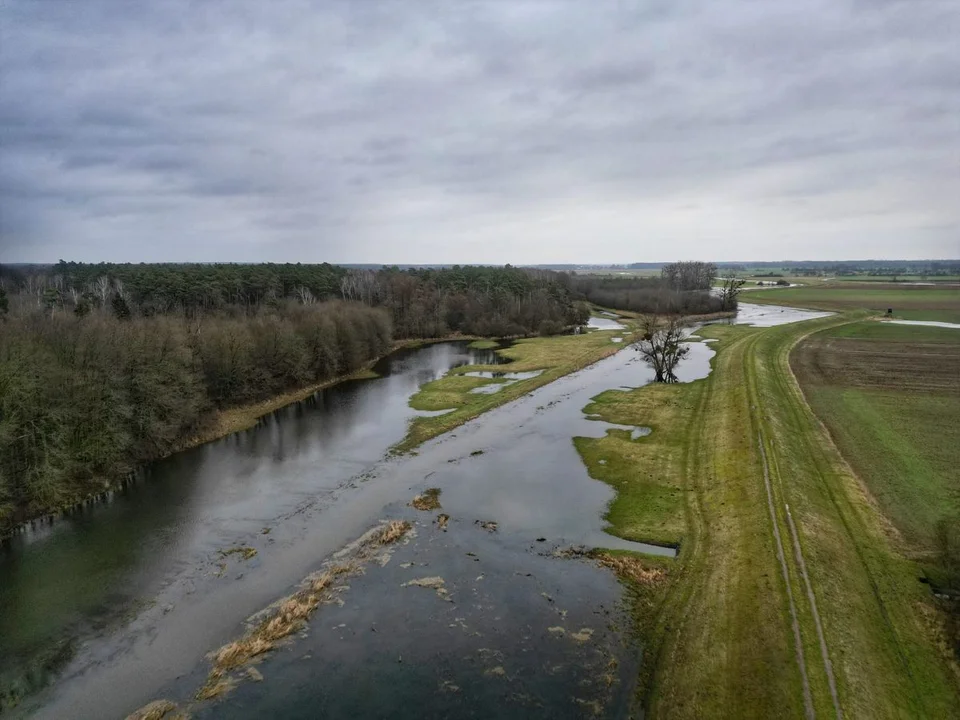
(649, 506)
(484, 344)
(908, 303)
(904, 446)
(448, 392)
(556, 356)
(902, 442)
(902, 278)
(888, 332)
(722, 643)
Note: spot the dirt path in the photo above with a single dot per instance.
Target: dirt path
(775, 529)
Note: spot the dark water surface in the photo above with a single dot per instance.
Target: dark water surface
(509, 639)
(90, 570)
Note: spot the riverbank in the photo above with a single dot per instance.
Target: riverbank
(787, 597)
(221, 424)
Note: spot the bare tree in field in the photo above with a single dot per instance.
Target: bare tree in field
(661, 345)
(729, 292)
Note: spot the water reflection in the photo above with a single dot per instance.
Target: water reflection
(604, 323)
(85, 570)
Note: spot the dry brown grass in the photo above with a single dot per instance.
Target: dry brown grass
(429, 500)
(158, 710)
(632, 567)
(442, 520)
(291, 614)
(392, 531)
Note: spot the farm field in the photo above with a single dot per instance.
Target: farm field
(908, 302)
(890, 397)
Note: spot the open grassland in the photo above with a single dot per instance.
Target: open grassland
(788, 597)
(908, 302)
(647, 473)
(555, 356)
(935, 279)
(890, 397)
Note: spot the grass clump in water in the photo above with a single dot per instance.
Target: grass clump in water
(158, 710)
(392, 531)
(244, 551)
(291, 613)
(633, 568)
(429, 500)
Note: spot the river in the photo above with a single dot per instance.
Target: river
(122, 599)
(87, 573)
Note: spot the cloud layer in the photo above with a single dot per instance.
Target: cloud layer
(501, 131)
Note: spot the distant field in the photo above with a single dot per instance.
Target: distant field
(910, 302)
(936, 279)
(620, 272)
(890, 396)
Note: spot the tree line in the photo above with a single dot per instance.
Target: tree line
(85, 400)
(490, 301)
(683, 288)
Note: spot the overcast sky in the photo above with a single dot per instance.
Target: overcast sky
(502, 131)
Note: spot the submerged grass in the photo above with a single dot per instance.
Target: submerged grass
(158, 710)
(716, 626)
(290, 614)
(244, 551)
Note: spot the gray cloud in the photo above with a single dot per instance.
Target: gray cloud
(518, 131)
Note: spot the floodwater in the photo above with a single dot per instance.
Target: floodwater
(771, 315)
(301, 485)
(504, 378)
(926, 323)
(604, 323)
(62, 582)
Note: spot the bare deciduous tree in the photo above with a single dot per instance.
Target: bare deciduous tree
(661, 345)
(306, 297)
(102, 289)
(688, 276)
(729, 292)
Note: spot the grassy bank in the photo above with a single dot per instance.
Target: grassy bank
(908, 302)
(554, 356)
(786, 585)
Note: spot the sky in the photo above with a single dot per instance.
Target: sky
(521, 131)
